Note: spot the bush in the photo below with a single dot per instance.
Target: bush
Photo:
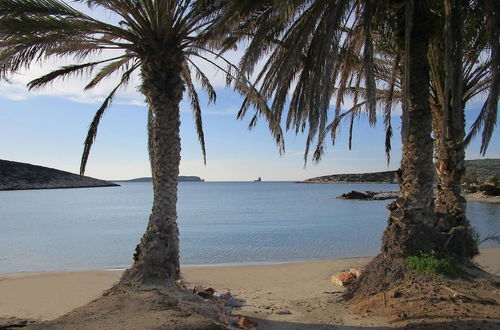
(489, 190)
(433, 264)
(470, 189)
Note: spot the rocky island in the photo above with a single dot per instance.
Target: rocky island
(479, 170)
(181, 178)
(374, 177)
(23, 176)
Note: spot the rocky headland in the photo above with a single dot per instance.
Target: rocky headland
(374, 177)
(23, 176)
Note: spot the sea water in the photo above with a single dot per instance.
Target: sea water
(220, 223)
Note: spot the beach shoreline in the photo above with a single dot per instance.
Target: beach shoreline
(47, 295)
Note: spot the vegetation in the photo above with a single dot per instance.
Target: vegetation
(432, 264)
(306, 39)
(158, 39)
(483, 168)
(316, 51)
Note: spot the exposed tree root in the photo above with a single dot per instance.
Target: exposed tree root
(380, 274)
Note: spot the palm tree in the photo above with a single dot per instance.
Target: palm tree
(307, 43)
(157, 38)
(473, 77)
(461, 69)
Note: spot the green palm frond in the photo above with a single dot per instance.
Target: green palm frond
(94, 125)
(195, 105)
(64, 72)
(119, 62)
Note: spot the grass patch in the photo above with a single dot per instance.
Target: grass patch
(433, 264)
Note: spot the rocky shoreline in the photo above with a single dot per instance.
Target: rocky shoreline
(23, 176)
(370, 195)
(374, 177)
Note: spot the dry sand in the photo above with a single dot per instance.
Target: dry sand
(303, 289)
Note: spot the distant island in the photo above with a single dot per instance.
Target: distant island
(149, 179)
(481, 169)
(374, 177)
(23, 176)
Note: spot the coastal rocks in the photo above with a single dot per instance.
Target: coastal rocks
(346, 278)
(370, 195)
(355, 195)
(21, 176)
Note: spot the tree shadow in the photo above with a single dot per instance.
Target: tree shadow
(265, 324)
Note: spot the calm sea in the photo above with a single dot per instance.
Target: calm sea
(220, 223)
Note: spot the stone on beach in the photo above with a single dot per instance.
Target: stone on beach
(343, 278)
(281, 311)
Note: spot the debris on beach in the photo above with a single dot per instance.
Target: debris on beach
(281, 312)
(246, 323)
(346, 278)
(226, 303)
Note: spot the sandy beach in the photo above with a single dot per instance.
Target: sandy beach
(300, 290)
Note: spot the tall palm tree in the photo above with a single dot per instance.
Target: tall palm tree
(461, 69)
(157, 38)
(307, 43)
(468, 74)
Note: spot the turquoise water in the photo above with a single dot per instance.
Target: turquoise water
(219, 222)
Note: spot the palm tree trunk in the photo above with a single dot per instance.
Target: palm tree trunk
(449, 131)
(411, 227)
(411, 224)
(156, 260)
(450, 205)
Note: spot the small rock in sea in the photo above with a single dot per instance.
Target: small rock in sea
(281, 312)
(343, 279)
(354, 195)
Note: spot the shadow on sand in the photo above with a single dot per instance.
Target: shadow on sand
(458, 325)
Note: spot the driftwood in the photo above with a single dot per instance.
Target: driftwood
(469, 297)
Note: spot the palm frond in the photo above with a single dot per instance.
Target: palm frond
(108, 70)
(64, 72)
(92, 131)
(195, 105)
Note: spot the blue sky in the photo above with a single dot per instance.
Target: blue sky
(47, 127)
(50, 130)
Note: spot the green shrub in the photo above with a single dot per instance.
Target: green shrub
(433, 264)
(489, 190)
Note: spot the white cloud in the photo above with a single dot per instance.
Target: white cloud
(223, 112)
